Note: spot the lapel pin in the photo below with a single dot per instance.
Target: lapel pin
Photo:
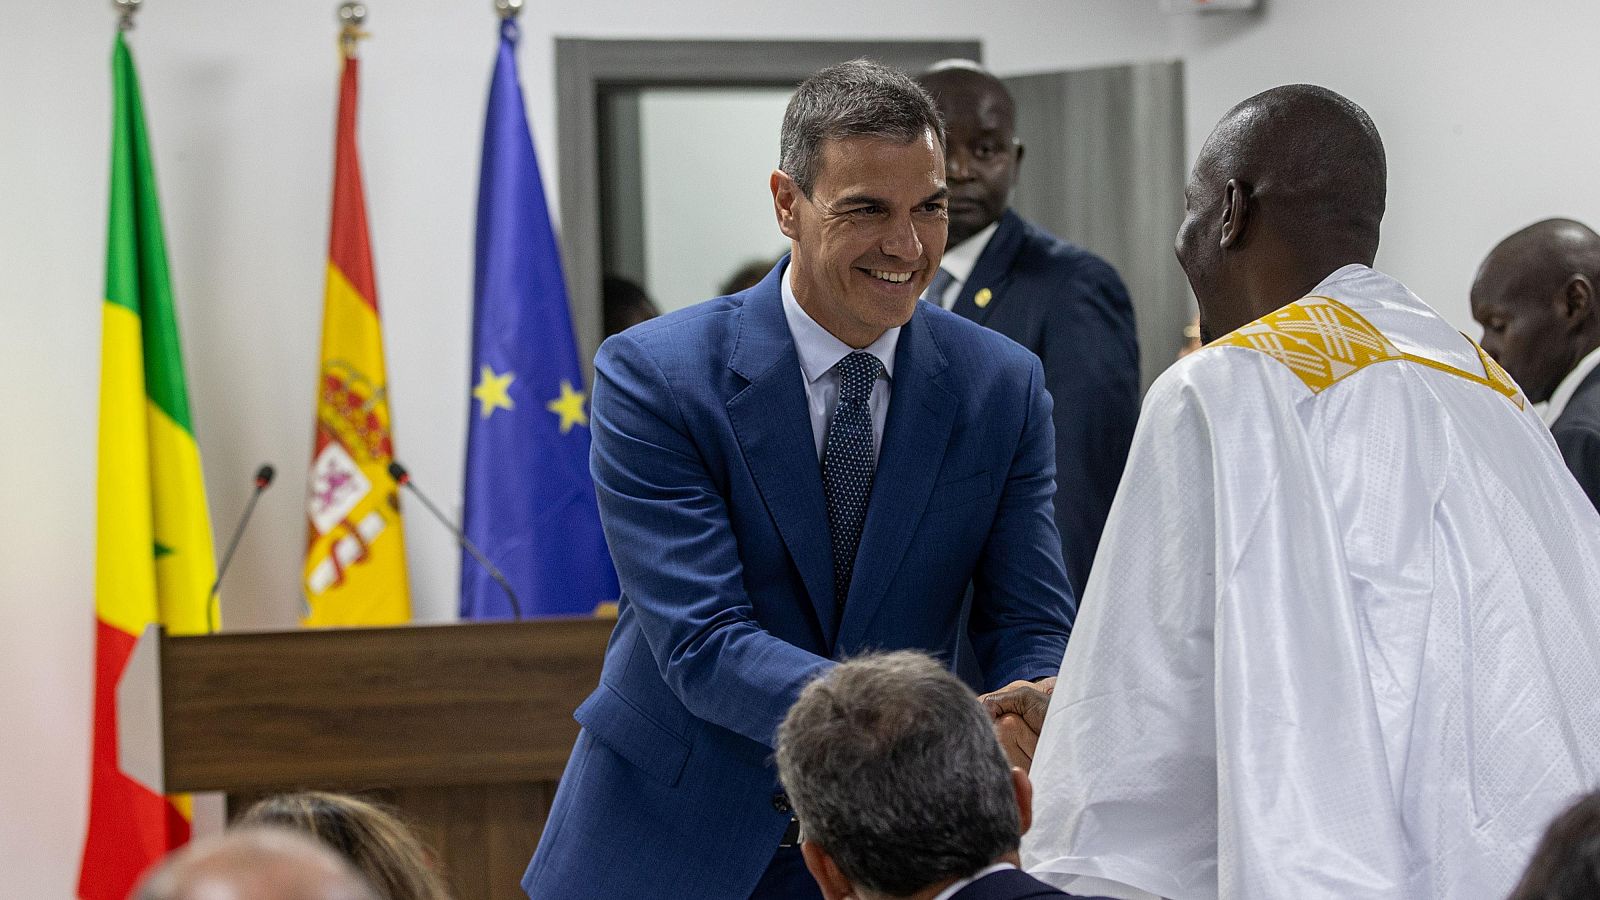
(983, 297)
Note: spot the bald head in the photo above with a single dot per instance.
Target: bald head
(1307, 149)
(255, 864)
(967, 76)
(981, 149)
(1538, 258)
(1534, 297)
(1289, 187)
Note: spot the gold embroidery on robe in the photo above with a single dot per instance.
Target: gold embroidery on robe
(1323, 341)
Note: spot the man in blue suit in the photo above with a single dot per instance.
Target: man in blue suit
(787, 476)
(1057, 299)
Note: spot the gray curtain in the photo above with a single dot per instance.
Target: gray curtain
(1104, 167)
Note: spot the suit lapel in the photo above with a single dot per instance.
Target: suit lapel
(773, 427)
(1579, 398)
(992, 272)
(915, 435)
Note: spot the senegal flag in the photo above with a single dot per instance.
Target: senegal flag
(153, 558)
(355, 571)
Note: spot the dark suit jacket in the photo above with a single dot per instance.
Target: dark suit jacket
(711, 496)
(1069, 307)
(1577, 432)
(1011, 884)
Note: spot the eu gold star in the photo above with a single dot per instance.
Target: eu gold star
(493, 391)
(569, 406)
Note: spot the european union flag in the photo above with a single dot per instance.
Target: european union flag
(530, 502)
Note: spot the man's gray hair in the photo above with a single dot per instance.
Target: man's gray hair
(859, 98)
(893, 768)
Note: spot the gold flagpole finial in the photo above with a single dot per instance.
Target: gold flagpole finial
(508, 9)
(351, 17)
(126, 8)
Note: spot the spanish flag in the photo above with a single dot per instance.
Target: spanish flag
(153, 555)
(355, 570)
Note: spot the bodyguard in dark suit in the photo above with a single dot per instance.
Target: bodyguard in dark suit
(900, 787)
(1534, 295)
(1577, 432)
(787, 476)
(1058, 300)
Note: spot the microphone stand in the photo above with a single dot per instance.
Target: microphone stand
(403, 478)
(263, 479)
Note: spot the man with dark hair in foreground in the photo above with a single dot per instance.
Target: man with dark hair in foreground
(1567, 864)
(900, 788)
(1342, 637)
(1535, 298)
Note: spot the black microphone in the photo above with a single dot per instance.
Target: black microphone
(263, 479)
(403, 478)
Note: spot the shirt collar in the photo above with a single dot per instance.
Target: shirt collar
(950, 891)
(1339, 274)
(960, 260)
(819, 350)
(1569, 386)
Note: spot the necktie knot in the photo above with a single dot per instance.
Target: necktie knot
(857, 372)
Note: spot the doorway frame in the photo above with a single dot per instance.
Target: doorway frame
(585, 67)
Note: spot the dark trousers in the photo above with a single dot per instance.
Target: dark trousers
(786, 878)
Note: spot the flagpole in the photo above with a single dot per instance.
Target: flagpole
(355, 570)
(528, 500)
(127, 8)
(509, 10)
(353, 16)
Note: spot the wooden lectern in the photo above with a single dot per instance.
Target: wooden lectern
(465, 728)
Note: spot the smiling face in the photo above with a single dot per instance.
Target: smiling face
(869, 238)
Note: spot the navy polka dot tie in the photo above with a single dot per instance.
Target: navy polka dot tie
(848, 464)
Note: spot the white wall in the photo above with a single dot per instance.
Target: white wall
(240, 100)
(691, 139)
(1489, 115)
(1487, 111)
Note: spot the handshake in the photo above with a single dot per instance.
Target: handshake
(1018, 711)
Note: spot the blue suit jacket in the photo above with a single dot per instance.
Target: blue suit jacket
(711, 496)
(1069, 307)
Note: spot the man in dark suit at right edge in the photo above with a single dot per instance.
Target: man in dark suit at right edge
(1058, 300)
(1535, 298)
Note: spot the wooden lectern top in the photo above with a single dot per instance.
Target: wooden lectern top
(476, 703)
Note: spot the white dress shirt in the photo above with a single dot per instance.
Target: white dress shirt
(1569, 386)
(959, 261)
(819, 352)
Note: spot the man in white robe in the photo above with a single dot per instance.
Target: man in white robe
(1342, 637)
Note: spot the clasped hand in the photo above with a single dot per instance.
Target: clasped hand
(1018, 711)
